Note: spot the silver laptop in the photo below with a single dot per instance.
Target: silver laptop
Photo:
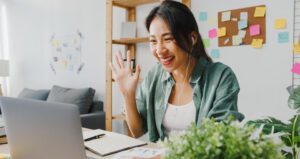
(42, 130)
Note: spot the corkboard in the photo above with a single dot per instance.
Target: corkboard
(232, 26)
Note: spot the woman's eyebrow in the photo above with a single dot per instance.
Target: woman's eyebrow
(164, 34)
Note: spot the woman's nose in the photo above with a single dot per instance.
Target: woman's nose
(160, 49)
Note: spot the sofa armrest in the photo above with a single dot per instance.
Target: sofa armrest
(94, 120)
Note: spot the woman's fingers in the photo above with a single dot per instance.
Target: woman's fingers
(120, 59)
(128, 60)
(137, 71)
(113, 69)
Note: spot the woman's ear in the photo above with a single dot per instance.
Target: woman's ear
(194, 37)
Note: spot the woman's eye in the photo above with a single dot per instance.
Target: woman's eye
(152, 41)
(169, 39)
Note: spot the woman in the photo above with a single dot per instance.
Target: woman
(184, 87)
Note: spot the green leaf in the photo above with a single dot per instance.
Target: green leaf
(287, 155)
(294, 99)
(286, 139)
(269, 124)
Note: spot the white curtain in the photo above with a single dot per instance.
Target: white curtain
(4, 52)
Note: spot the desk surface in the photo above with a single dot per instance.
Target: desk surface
(4, 148)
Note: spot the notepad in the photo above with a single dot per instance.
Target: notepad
(111, 143)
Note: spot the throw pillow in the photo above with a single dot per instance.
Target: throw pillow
(40, 94)
(83, 97)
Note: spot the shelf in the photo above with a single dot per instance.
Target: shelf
(128, 41)
(119, 117)
(132, 3)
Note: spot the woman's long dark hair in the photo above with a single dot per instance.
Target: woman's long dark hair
(181, 23)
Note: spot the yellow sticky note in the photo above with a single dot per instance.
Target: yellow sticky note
(257, 43)
(221, 32)
(280, 23)
(260, 12)
(296, 48)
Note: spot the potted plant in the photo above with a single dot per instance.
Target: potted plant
(289, 132)
(221, 140)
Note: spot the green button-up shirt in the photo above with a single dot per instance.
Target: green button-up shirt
(215, 94)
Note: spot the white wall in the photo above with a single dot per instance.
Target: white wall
(33, 22)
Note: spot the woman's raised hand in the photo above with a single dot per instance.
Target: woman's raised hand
(122, 74)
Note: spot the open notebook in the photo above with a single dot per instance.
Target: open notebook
(111, 143)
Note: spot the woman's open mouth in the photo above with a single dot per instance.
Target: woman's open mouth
(167, 61)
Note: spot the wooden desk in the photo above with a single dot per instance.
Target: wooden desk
(5, 149)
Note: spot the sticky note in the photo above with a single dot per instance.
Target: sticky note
(283, 37)
(280, 24)
(206, 43)
(236, 40)
(257, 43)
(226, 16)
(242, 24)
(296, 48)
(212, 33)
(203, 16)
(242, 33)
(254, 30)
(260, 12)
(244, 16)
(221, 32)
(212, 21)
(296, 68)
(215, 53)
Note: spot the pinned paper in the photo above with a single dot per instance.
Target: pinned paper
(203, 16)
(226, 16)
(260, 12)
(283, 37)
(221, 32)
(296, 68)
(280, 24)
(215, 53)
(242, 33)
(206, 43)
(234, 19)
(296, 48)
(242, 24)
(243, 15)
(254, 30)
(226, 41)
(257, 43)
(236, 40)
(212, 33)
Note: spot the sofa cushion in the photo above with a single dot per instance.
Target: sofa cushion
(83, 97)
(40, 94)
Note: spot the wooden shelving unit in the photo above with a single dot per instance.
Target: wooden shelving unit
(130, 7)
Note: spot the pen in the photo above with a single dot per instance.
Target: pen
(94, 137)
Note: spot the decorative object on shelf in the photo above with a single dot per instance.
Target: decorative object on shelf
(4, 71)
(289, 132)
(226, 139)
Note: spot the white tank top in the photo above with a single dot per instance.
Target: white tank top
(178, 118)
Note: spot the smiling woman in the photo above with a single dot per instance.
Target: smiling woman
(184, 87)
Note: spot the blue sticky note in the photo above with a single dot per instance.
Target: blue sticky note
(283, 37)
(242, 24)
(203, 16)
(215, 53)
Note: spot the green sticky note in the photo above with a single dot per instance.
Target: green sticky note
(206, 43)
(203, 16)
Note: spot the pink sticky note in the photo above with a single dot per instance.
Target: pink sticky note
(212, 33)
(296, 68)
(254, 30)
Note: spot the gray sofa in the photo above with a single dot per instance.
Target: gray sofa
(91, 112)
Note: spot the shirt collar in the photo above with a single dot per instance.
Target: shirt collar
(196, 74)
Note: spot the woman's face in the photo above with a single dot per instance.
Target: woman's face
(164, 47)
